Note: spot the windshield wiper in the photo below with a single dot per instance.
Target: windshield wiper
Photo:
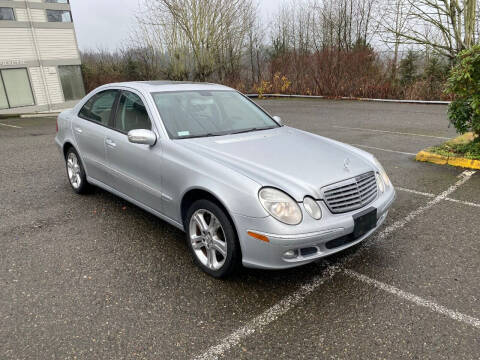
(224, 133)
(250, 130)
(199, 136)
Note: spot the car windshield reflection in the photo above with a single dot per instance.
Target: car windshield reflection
(193, 114)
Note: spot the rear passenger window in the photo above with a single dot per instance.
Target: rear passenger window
(131, 113)
(99, 108)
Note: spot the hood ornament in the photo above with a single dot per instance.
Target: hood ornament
(346, 164)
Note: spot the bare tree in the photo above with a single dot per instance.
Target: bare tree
(213, 32)
(343, 24)
(255, 48)
(447, 26)
(283, 27)
(393, 20)
(477, 22)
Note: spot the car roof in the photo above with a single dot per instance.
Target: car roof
(163, 86)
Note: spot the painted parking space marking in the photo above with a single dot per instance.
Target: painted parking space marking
(268, 316)
(391, 132)
(414, 192)
(463, 202)
(387, 150)
(455, 315)
(12, 126)
(290, 301)
(468, 203)
(464, 177)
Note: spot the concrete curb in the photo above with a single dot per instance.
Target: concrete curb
(53, 113)
(39, 115)
(426, 156)
(423, 102)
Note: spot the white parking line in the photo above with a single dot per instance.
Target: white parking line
(392, 151)
(415, 299)
(269, 316)
(287, 303)
(464, 177)
(391, 132)
(463, 202)
(468, 203)
(414, 192)
(12, 126)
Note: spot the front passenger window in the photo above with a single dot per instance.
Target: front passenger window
(131, 113)
(99, 107)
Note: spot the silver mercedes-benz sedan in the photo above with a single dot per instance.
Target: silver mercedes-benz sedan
(245, 189)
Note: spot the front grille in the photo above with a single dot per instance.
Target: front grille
(351, 194)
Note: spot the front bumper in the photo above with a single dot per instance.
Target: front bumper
(310, 240)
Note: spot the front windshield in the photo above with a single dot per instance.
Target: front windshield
(188, 114)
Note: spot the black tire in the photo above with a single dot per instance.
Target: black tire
(233, 257)
(84, 186)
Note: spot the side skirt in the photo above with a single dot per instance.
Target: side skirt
(135, 202)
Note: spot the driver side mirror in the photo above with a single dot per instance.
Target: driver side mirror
(142, 137)
(278, 120)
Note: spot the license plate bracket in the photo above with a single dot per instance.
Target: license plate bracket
(364, 222)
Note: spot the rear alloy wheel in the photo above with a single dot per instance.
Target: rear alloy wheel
(212, 239)
(75, 172)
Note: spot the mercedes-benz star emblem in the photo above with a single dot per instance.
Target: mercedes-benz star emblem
(346, 164)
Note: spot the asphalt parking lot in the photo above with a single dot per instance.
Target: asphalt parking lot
(94, 277)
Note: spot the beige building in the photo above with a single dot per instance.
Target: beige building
(39, 57)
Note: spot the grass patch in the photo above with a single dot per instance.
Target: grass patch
(466, 146)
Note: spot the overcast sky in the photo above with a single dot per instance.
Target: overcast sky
(105, 24)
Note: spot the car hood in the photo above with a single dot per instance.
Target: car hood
(292, 160)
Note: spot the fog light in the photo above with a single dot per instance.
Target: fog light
(312, 208)
(290, 254)
(381, 184)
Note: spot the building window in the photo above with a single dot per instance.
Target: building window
(7, 14)
(15, 89)
(57, 1)
(59, 16)
(72, 82)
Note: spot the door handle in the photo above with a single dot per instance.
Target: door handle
(110, 142)
(78, 130)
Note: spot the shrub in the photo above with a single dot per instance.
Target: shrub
(464, 146)
(464, 85)
(358, 72)
(408, 69)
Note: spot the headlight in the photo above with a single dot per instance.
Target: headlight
(312, 208)
(383, 174)
(281, 206)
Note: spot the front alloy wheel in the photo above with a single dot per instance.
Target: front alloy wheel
(208, 239)
(212, 239)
